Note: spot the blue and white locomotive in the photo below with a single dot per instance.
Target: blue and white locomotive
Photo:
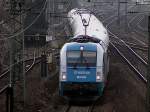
(84, 60)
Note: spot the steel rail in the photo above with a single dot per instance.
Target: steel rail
(138, 56)
(144, 47)
(90, 109)
(8, 85)
(139, 48)
(132, 45)
(31, 64)
(116, 37)
(67, 108)
(128, 62)
(7, 69)
(114, 20)
(4, 74)
(4, 88)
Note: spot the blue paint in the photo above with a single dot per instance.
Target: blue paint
(81, 74)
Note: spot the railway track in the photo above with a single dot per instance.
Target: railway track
(129, 35)
(6, 71)
(137, 46)
(5, 76)
(138, 64)
(87, 108)
(71, 108)
(135, 61)
(141, 50)
(6, 88)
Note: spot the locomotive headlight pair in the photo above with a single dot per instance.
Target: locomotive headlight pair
(64, 77)
(99, 76)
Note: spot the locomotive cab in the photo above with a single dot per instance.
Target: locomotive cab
(82, 69)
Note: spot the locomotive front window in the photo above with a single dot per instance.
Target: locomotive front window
(73, 57)
(89, 58)
(76, 58)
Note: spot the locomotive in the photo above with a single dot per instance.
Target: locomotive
(84, 59)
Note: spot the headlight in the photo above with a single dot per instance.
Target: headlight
(99, 76)
(64, 77)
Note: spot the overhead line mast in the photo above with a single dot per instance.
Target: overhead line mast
(16, 47)
(148, 70)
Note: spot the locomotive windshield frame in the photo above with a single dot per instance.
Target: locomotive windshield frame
(85, 59)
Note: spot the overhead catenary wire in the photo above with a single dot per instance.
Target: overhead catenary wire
(114, 36)
(24, 11)
(18, 33)
(139, 74)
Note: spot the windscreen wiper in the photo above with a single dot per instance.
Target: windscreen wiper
(87, 64)
(75, 64)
